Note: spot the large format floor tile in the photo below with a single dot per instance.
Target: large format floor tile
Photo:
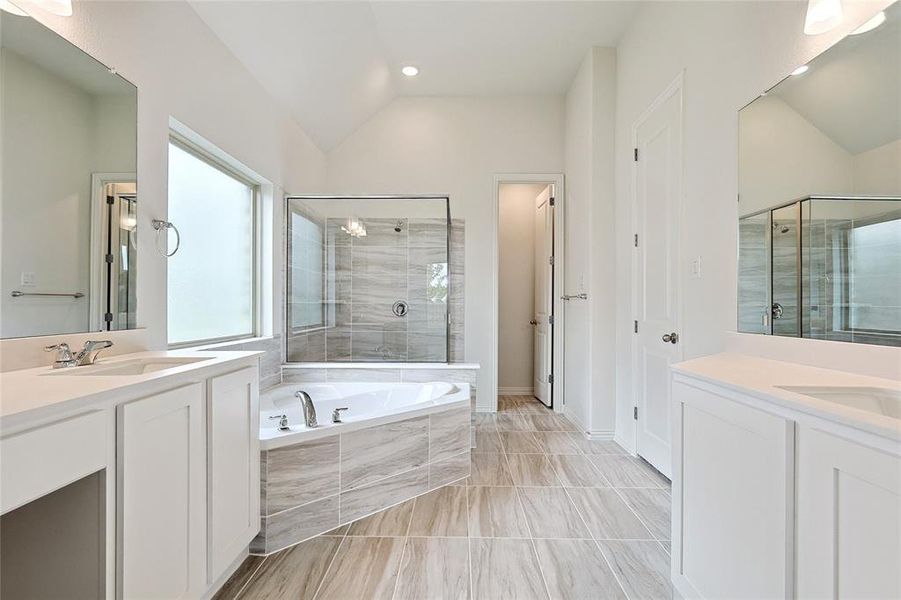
(545, 513)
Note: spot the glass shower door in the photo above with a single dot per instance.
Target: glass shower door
(785, 272)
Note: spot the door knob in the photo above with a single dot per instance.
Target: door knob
(671, 338)
(533, 322)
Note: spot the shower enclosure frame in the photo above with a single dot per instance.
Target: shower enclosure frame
(286, 248)
(799, 246)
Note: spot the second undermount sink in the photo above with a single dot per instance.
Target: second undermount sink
(137, 366)
(880, 401)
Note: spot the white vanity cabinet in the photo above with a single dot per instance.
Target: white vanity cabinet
(162, 494)
(849, 517)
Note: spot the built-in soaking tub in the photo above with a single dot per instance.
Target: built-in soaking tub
(396, 441)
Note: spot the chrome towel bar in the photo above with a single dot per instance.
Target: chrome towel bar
(582, 296)
(17, 294)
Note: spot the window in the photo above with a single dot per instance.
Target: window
(871, 296)
(306, 247)
(212, 277)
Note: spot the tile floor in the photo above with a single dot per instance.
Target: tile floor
(545, 513)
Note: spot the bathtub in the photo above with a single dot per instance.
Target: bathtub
(368, 404)
(396, 441)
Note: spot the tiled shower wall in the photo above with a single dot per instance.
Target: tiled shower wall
(364, 277)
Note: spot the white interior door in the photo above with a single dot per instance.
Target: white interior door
(544, 290)
(658, 189)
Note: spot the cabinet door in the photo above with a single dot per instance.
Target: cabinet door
(732, 497)
(849, 519)
(161, 488)
(233, 425)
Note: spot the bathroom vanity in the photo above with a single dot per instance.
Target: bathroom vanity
(787, 481)
(135, 477)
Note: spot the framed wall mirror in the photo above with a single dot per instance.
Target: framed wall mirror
(820, 196)
(68, 128)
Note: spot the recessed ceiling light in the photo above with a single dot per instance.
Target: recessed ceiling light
(822, 16)
(410, 71)
(800, 70)
(870, 25)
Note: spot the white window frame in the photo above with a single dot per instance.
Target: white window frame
(222, 162)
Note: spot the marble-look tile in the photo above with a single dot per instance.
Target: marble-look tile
(505, 568)
(363, 568)
(667, 545)
(577, 570)
(295, 573)
(270, 382)
(450, 470)
(373, 345)
(291, 526)
(556, 442)
(447, 375)
(392, 521)
(513, 422)
(643, 568)
(587, 446)
(448, 433)
(350, 375)
(235, 584)
(428, 232)
(532, 469)
(434, 568)
(532, 408)
(374, 453)
(550, 514)
(486, 440)
(485, 419)
(652, 506)
(607, 516)
(551, 422)
(441, 513)
(337, 531)
(290, 375)
(363, 501)
(575, 470)
(496, 512)
(519, 442)
(300, 473)
(489, 469)
(625, 471)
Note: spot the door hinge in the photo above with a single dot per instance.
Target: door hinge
(550, 378)
(108, 317)
(550, 319)
(636, 326)
(550, 260)
(551, 202)
(635, 412)
(636, 240)
(110, 199)
(109, 258)
(635, 154)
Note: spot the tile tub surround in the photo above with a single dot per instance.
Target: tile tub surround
(575, 537)
(270, 362)
(314, 486)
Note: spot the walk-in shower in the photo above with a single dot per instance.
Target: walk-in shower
(368, 279)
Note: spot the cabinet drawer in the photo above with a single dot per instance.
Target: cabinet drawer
(39, 461)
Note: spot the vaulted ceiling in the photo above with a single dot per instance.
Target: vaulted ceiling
(335, 64)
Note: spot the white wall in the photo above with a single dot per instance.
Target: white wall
(878, 171)
(455, 146)
(516, 282)
(590, 252)
(730, 52)
(182, 70)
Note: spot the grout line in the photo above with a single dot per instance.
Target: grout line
(469, 544)
(251, 578)
(330, 563)
(403, 551)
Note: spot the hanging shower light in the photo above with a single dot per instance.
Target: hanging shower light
(822, 16)
(354, 228)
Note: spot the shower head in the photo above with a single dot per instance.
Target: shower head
(398, 226)
(781, 227)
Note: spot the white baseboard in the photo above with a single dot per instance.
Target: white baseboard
(514, 391)
(600, 435)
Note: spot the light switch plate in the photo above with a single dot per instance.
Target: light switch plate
(696, 268)
(28, 278)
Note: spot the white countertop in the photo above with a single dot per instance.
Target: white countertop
(37, 390)
(759, 377)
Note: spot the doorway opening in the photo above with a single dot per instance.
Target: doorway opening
(529, 226)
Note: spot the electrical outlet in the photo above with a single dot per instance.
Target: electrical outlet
(28, 279)
(696, 268)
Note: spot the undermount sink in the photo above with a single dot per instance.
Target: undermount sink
(137, 366)
(881, 401)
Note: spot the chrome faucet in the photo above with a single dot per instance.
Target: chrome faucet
(336, 415)
(309, 411)
(85, 356)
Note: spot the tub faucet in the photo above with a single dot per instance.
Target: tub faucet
(309, 411)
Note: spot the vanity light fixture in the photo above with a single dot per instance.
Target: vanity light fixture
(822, 16)
(870, 25)
(410, 71)
(800, 70)
(12, 9)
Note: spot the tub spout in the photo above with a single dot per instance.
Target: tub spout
(309, 411)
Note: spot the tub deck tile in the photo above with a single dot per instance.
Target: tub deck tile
(371, 454)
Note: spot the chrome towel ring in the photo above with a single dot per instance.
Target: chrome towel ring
(161, 227)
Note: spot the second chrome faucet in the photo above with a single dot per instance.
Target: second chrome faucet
(85, 356)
